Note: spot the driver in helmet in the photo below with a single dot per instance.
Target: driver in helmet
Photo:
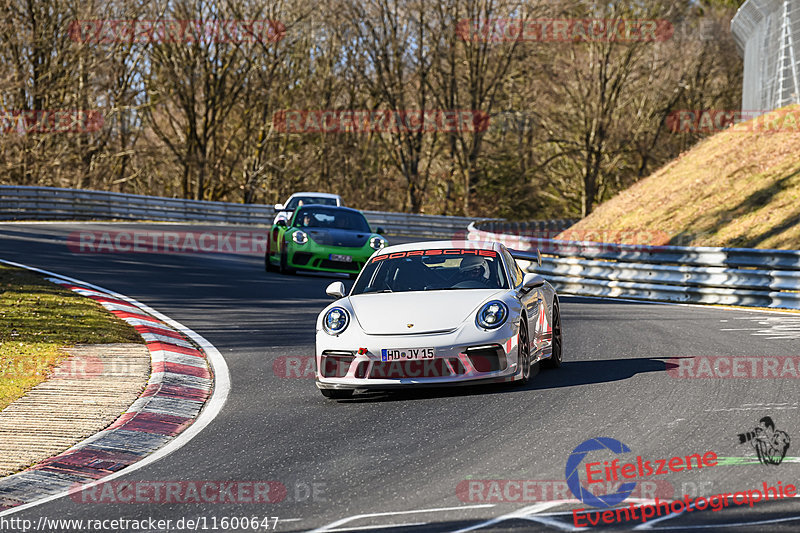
(474, 268)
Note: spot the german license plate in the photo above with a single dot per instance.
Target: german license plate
(407, 354)
(341, 258)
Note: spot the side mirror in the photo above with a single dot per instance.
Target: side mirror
(532, 281)
(335, 290)
(380, 231)
(279, 207)
(281, 222)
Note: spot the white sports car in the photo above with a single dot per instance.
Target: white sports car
(298, 199)
(437, 313)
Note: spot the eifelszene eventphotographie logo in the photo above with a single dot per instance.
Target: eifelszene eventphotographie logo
(573, 466)
(614, 474)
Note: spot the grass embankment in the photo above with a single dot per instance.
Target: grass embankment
(37, 320)
(740, 187)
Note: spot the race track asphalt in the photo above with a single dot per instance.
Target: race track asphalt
(396, 461)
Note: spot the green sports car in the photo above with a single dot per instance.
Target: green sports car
(323, 238)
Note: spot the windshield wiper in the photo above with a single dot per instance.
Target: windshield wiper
(377, 292)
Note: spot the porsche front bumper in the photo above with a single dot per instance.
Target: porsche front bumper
(356, 360)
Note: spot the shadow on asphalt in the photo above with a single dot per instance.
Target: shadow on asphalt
(571, 374)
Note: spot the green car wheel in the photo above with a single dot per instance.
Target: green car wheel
(268, 266)
(284, 265)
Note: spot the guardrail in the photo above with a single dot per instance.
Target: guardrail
(729, 276)
(50, 203)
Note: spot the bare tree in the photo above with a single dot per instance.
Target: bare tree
(387, 44)
(471, 73)
(597, 104)
(570, 120)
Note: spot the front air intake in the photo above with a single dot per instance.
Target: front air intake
(487, 358)
(336, 364)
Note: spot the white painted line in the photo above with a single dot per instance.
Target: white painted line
(555, 524)
(722, 525)
(210, 411)
(166, 356)
(726, 409)
(519, 513)
(566, 526)
(649, 525)
(343, 521)
(141, 322)
(118, 307)
(531, 514)
(194, 382)
(378, 526)
(164, 339)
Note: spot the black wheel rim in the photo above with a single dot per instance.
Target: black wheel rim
(557, 344)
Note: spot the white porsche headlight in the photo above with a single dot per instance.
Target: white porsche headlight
(492, 315)
(300, 237)
(335, 321)
(377, 243)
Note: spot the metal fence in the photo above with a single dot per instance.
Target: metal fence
(730, 276)
(767, 33)
(49, 203)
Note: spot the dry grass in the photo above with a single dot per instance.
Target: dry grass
(737, 188)
(37, 320)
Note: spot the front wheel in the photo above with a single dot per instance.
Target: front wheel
(527, 369)
(554, 361)
(284, 265)
(337, 394)
(268, 266)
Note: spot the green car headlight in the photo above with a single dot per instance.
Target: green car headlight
(376, 243)
(300, 237)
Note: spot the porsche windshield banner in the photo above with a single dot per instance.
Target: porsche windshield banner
(452, 251)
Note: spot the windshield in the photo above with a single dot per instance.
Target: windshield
(298, 201)
(323, 217)
(432, 270)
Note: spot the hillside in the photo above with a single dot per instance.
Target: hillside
(739, 187)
